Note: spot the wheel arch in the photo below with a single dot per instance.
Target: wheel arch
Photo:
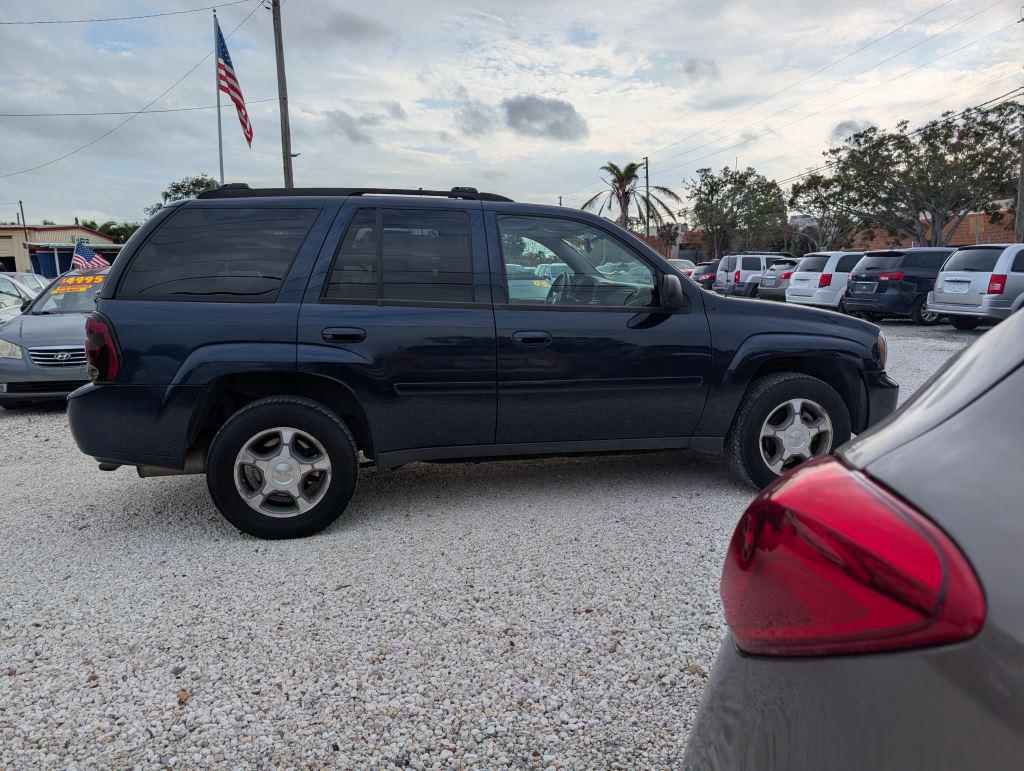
(225, 395)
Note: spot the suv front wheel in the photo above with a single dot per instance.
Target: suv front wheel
(785, 419)
(282, 467)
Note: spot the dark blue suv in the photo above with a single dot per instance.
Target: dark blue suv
(266, 338)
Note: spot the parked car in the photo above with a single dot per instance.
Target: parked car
(821, 278)
(705, 273)
(42, 351)
(896, 282)
(549, 270)
(33, 282)
(979, 283)
(686, 267)
(524, 283)
(775, 280)
(740, 274)
(873, 600)
(13, 295)
(265, 337)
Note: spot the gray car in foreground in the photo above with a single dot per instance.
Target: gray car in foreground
(42, 351)
(874, 599)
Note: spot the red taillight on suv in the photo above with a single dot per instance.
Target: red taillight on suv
(102, 352)
(825, 561)
(893, 275)
(825, 280)
(996, 284)
(736, 277)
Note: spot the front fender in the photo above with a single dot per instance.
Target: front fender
(840, 357)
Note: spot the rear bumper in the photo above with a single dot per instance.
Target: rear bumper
(771, 293)
(894, 304)
(919, 708)
(818, 299)
(989, 309)
(883, 394)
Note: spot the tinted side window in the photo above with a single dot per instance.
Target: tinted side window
(415, 255)
(751, 263)
(219, 254)
(1018, 263)
(426, 256)
(354, 273)
(847, 262)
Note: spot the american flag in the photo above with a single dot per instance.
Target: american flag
(228, 83)
(85, 258)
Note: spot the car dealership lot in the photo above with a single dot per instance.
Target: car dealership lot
(557, 612)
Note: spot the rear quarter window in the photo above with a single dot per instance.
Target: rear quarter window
(218, 254)
(973, 260)
(751, 263)
(1018, 263)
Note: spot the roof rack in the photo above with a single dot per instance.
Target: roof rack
(242, 190)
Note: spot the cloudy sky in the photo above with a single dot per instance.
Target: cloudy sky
(526, 98)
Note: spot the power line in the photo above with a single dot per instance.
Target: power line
(1009, 96)
(847, 80)
(805, 78)
(134, 115)
(125, 112)
(841, 101)
(124, 18)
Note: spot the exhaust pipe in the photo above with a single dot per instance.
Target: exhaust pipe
(195, 463)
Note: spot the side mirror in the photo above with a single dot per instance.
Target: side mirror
(672, 297)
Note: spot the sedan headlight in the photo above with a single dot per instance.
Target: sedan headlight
(9, 350)
(883, 349)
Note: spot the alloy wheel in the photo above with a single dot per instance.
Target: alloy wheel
(282, 472)
(795, 431)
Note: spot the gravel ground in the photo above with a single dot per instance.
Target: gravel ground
(551, 613)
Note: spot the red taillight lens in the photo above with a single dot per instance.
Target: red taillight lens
(996, 284)
(787, 274)
(736, 277)
(894, 275)
(825, 561)
(825, 280)
(101, 349)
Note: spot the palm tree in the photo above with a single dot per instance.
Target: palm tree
(623, 192)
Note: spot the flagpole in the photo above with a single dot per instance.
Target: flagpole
(216, 88)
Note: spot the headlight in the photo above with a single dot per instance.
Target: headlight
(9, 350)
(883, 349)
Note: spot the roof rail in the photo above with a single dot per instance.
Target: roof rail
(242, 190)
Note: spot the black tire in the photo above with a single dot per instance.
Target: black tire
(763, 397)
(964, 322)
(921, 316)
(307, 416)
(753, 292)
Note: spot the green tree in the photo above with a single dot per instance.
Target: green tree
(624, 191)
(922, 184)
(186, 187)
(736, 209)
(119, 231)
(668, 234)
(822, 199)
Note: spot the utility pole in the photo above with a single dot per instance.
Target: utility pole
(1018, 223)
(282, 96)
(24, 233)
(216, 90)
(559, 200)
(647, 198)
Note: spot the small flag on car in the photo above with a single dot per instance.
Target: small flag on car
(85, 258)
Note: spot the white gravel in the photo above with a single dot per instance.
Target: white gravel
(554, 613)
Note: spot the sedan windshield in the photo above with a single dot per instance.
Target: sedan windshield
(71, 294)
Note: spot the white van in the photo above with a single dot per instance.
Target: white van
(978, 283)
(820, 279)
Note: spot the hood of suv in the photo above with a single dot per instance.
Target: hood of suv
(782, 318)
(31, 330)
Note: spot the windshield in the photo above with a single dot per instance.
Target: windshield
(71, 294)
(882, 261)
(973, 260)
(813, 263)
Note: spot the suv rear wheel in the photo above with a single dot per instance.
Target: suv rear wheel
(282, 467)
(785, 419)
(921, 315)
